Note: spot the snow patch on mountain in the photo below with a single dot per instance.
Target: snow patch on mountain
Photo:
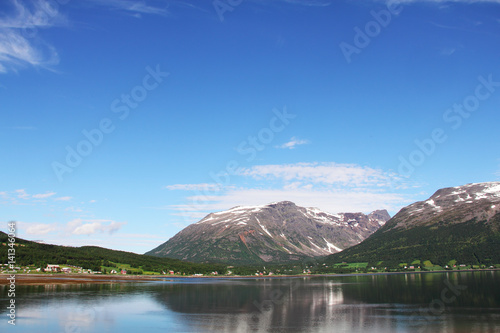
(476, 191)
(331, 246)
(263, 228)
(433, 205)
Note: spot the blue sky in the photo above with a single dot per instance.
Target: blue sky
(122, 122)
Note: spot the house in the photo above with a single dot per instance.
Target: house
(66, 270)
(53, 268)
(123, 271)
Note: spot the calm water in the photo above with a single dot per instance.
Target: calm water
(438, 302)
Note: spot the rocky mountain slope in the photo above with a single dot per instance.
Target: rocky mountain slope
(457, 223)
(276, 232)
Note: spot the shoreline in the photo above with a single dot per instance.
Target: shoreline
(44, 279)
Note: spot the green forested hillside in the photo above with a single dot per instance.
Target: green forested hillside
(473, 243)
(93, 257)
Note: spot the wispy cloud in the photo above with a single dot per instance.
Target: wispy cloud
(294, 142)
(350, 175)
(38, 229)
(135, 8)
(90, 227)
(12, 197)
(76, 227)
(20, 44)
(63, 199)
(447, 51)
(21, 194)
(331, 186)
(333, 201)
(194, 187)
(43, 195)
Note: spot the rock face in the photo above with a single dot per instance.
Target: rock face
(457, 223)
(276, 232)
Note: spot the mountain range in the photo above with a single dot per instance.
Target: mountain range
(277, 232)
(456, 223)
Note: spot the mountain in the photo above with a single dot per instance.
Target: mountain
(276, 232)
(457, 223)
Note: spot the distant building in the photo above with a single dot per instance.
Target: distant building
(53, 268)
(66, 270)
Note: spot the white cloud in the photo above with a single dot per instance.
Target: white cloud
(194, 187)
(63, 199)
(21, 194)
(43, 195)
(20, 44)
(330, 186)
(350, 175)
(136, 8)
(333, 201)
(20, 41)
(30, 199)
(40, 229)
(293, 143)
(35, 229)
(90, 227)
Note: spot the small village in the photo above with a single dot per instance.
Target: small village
(69, 269)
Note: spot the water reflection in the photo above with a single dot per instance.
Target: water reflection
(381, 303)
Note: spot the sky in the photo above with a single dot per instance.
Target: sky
(122, 122)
